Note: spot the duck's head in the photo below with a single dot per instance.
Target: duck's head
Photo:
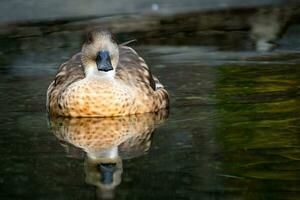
(100, 53)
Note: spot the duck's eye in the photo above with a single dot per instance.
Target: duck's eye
(113, 39)
(89, 38)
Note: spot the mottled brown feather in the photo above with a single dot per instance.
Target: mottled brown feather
(132, 68)
(68, 73)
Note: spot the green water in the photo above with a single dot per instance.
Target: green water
(232, 131)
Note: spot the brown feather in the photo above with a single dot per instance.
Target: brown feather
(132, 68)
(68, 73)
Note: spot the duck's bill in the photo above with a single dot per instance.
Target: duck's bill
(104, 66)
(103, 61)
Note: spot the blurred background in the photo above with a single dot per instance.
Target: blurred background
(232, 68)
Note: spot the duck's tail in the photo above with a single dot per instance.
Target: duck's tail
(158, 85)
(162, 97)
(161, 94)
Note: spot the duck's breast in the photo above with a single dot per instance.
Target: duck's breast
(95, 97)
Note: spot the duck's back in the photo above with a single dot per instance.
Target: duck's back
(132, 68)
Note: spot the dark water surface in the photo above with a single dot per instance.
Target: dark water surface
(232, 131)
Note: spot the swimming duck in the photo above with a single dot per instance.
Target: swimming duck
(105, 79)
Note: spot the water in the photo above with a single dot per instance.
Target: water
(232, 130)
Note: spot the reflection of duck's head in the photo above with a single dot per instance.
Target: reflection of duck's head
(105, 173)
(106, 142)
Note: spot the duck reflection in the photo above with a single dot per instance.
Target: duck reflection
(106, 142)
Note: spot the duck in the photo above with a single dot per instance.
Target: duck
(105, 79)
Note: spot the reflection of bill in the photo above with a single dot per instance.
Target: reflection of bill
(106, 142)
(105, 173)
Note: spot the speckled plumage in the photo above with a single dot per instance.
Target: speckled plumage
(95, 135)
(131, 88)
(106, 140)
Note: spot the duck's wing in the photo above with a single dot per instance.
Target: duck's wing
(68, 73)
(132, 69)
